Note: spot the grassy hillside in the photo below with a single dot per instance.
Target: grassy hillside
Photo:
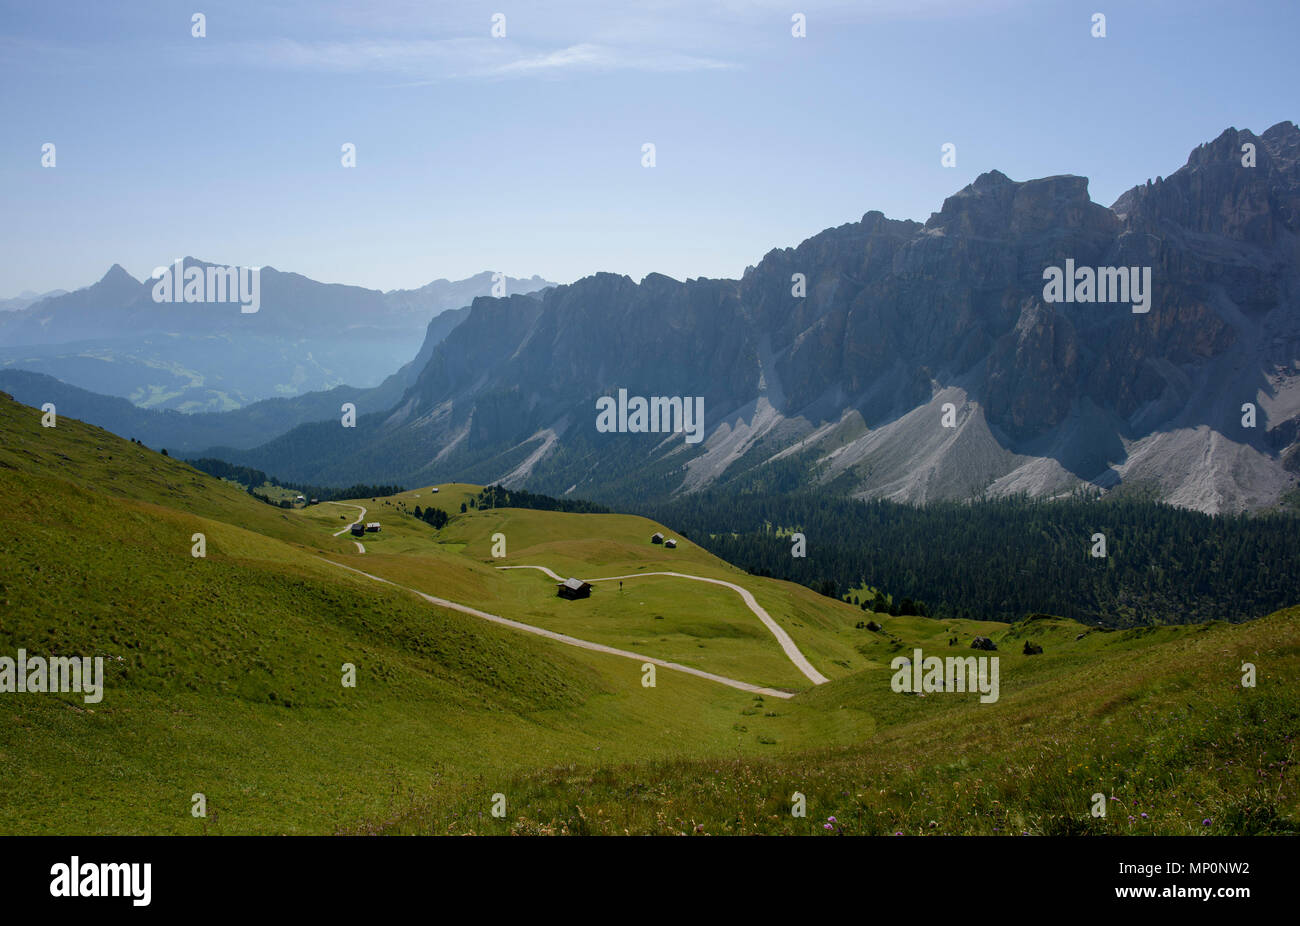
(223, 673)
(595, 546)
(698, 624)
(223, 678)
(1158, 723)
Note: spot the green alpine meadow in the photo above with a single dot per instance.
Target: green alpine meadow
(261, 674)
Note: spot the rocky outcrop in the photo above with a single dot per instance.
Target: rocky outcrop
(915, 361)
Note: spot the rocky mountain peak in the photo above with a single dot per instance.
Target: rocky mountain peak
(994, 205)
(1242, 186)
(116, 276)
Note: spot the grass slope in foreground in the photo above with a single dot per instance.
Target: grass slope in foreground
(223, 674)
(1154, 720)
(223, 678)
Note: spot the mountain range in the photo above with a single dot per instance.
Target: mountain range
(114, 338)
(844, 387)
(882, 358)
(26, 298)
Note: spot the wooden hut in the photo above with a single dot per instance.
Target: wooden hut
(573, 588)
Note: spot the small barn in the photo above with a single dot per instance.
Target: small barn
(358, 529)
(670, 544)
(573, 588)
(656, 537)
(373, 527)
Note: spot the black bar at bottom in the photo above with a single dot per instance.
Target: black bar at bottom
(926, 875)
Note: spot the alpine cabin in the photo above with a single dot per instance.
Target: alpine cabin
(573, 588)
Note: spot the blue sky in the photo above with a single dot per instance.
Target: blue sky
(523, 154)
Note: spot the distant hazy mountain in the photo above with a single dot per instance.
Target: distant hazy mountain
(441, 295)
(26, 298)
(902, 326)
(114, 338)
(245, 427)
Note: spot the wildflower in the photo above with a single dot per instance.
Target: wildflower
(826, 826)
(1205, 822)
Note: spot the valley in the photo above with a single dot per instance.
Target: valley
(223, 678)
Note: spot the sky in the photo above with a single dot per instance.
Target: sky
(523, 154)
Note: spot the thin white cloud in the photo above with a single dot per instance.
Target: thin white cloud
(384, 55)
(429, 60)
(587, 56)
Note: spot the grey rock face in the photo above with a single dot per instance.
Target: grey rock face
(923, 361)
